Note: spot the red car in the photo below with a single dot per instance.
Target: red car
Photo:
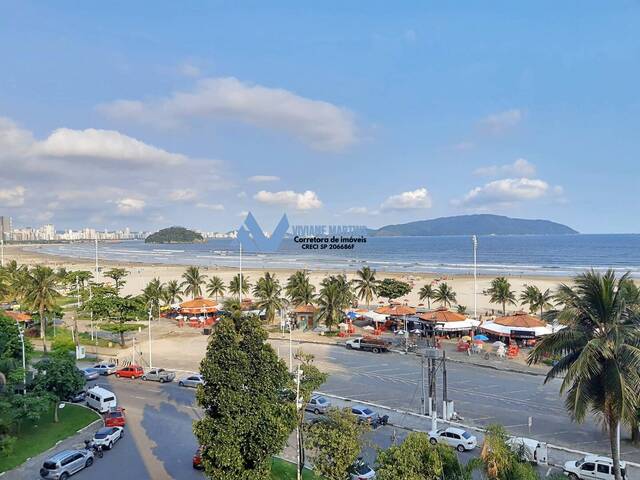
(197, 459)
(115, 417)
(132, 371)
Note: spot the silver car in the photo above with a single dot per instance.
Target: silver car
(64, 464)
(90, 373)
(191, 381)
(365, 415)
(159, 375)
(318, 404)
(106, 368)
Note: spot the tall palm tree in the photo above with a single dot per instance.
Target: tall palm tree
(193, 281)
(444, 295)
(427, 293)
(599, 353)
(215, 287)
(501, 293)
(331, 302)
(152, 294)
(172, 293)
(16, 278)
(366, 285)
(299, 289)
(269, 294)
(234, 285)
(41, 292)
(117, 275)
(536, 299)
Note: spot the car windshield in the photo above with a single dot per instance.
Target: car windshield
(579, 462)
(161, 370)
(362, 469)
(321, 400)
(49, 465)
(367, 411)
(115, 415)
(100, 435)
(466, 435)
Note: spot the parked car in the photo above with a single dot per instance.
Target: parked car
(197, 459)
(64, 464)
(593, 467)
(370, 344)
(318, 404)
(159, 375)
(78, 397)
(529, 450)
(106, 368)
(90, 373)
(115, 417)
(101, 399)
(132, 371)
(106, 437)
(365, 415)
(361, 471)
(457, 438)
(191, 381)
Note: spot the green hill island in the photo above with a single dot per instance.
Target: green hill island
(174, 235)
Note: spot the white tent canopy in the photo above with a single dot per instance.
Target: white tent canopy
(376, 317)
(505, 331)
(462, 325)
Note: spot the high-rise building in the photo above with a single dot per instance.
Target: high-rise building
(5, 228)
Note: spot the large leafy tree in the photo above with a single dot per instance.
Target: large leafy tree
(500, 461)
(41, 292)
(537, 300)
(117, 275)
(500, 292)
(15, 278)
(335, 443)
(427, 293)
(366, 285)
(445, 295)
(59, 377)
(299, 289)
(193, 281)
(599, 352)
(216, 287)
(117, 313)
(172, 292)
(391, 288)
(152, 295)
(335, 296)
(234, 285)
(79, 277)
(247, 419)
(269, 294)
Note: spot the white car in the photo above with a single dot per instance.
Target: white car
(457, 438)
(592, 467)
(191, 381)
(106, 368)
(361, 471)
(108, 436)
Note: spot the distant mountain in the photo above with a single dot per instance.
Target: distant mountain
(481, 224)
(174, 235)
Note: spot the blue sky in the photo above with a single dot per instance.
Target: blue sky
(146, 114)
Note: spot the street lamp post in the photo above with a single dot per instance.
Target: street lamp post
(474, 240)
(150, 315)
(24, 361)
(2, 250)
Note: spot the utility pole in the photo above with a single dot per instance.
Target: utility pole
(133, 351)
(96, 274)
(91, 312)
(24, 362)
(290, 349)
(298, 408)
(2, 250)
(423, 407)
(474, 240)
(434, 405)
(446, 415)
(240, 287)
(150, 315)
(406, 336)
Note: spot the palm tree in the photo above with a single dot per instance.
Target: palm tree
(117, 275)
(335, 296)
(500, 292)
(366, 285)
(269, 294)
(444, 295)
(40, 292)
(193, 281)
(234, 285)
(172, 292)
(427, 293)
(16, 278)
(536, 299)
(152, 294)
(299, 289)
(215, 287)
(599, 353)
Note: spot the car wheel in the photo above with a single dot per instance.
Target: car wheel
(162, 380)
(110, 446)
(144, 377)
(573, 476)
(117, 375)
(64, 476)
(181, 383)
(433, 441)
(349, 347)
(460, 448)
(88, 463)
(376, 350)
(316, 411)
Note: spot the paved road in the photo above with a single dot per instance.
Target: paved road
(482, 396)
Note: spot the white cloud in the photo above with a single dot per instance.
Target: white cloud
(300, 201)
(14, 141)
(357, 210)
(497, 123)
(321, 124)
(12, 197)
(519, 168)
(189, 70)
(419, 198)
(263, 178)
(211, 206)
(182, 195)
(128, 206)
(105, 145)
(507, 191)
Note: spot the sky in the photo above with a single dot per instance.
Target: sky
(149, 114)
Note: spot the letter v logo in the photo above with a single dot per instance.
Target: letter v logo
(253, 239)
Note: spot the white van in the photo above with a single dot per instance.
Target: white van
(101, 399)
(531, 450)
(593, 467)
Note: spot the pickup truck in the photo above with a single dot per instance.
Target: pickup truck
(159, 375)
(375, 345)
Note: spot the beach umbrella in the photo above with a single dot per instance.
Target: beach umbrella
(368, 327)
(498, 344)
(416, 331)
(484, 338)
(179, 317)
(352, 315)
(343, 325)
(466, 338)
(478, 342)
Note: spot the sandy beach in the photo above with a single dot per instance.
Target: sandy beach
(141, 273)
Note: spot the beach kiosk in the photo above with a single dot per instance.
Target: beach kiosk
(199, 311)
(305, 316)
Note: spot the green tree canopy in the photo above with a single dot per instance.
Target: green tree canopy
(500, 292)
(445, 295)
(537, 300)
(366, 285)
(269, 295)
(391, 288)
(335, 296)
(427, 293)
(117, 275)
(216, 287)
(299, 289)
(234, 285)
(193, 281)
(58, 376)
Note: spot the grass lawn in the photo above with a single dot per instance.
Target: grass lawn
(36, 437)
(283, 470)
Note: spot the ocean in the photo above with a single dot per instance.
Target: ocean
(510, 255)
